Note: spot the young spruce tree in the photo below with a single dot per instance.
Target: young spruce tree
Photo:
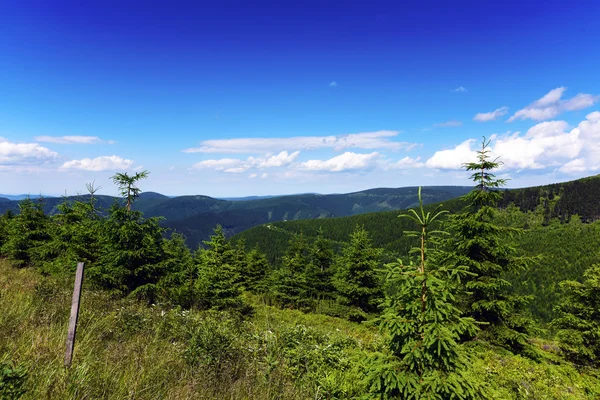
(75, 233)
(289, 282)
(26, 234)
(318, 273)
(482, 246)
(219, 284)
(425, 359)
(357, 280)
(578, 319)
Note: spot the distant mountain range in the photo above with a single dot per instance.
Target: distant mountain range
(5, 197)
(196, 216)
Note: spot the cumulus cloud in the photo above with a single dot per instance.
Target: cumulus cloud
(269, 161)
(460, 89)
(451, 123)
(492, 115)
(19, 154)
(71, 139)
(234, 165)
(588, 132)
(574, 166)
(365, 140)
(544, 145)
(264, 175)
(551, 105)
(549, 144)
(453, 158)
(343, 162)
(102, 163)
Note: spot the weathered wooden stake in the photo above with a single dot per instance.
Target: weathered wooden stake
(74, 314)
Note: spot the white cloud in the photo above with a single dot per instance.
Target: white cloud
(264, 175)
(551, 105)
(574, 166)
(492, 115)
(252, 176)
(280, 160)
(72, 139)
(580, 101)
(218, 165)
(333, 84)
(102, 163)
(12, 154)
(550, 144)
(588, 132)
(454, 158)
(234, 165)
(405, 163)
(460, 89)
(343, 162)
(365, 140)
(451, 123)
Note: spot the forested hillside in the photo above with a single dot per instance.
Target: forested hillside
(559, 200)
(466, 298)
(196, 216)
(565, 244)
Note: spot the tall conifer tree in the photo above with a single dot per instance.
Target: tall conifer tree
(481, 245)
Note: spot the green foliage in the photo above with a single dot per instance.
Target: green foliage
(481, 245)
(127, 186)
(510, 377)
(132, 253)
(256, 272)
(558, 200)
(424, 326)
(289, 286)
(177, 287)
(26, 234)
(75, 237)
(214, 345)
(319, 271)
(12, 380)
(565, 252)
(356, 280)
(219, 282)
(578, 319)
(4, 224)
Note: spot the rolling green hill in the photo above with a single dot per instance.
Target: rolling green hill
(196, 216)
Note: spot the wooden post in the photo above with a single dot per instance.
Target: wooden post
(74, 314)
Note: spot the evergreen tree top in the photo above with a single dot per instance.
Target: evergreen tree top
(485, 193)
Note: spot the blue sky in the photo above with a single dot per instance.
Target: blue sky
(235, 98)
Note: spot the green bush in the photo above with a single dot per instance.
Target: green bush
(12, 380)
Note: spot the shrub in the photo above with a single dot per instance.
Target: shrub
(12, 380)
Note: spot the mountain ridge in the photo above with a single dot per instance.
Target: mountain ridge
(195, 216)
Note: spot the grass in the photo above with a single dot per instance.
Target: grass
(129, 350)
